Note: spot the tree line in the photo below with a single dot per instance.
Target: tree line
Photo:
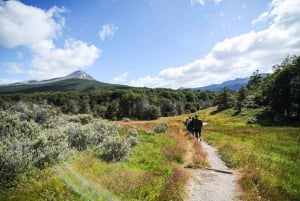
(277, 92)
(116, 104)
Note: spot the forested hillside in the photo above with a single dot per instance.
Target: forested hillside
(133, 103)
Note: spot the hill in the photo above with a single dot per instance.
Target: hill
(77, 81)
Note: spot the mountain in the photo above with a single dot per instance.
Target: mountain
(74, 75)
(76, 81)
(79, 75)
(231, 84)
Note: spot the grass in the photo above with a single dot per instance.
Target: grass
(152, 172)
(268, 158)
(41, 185)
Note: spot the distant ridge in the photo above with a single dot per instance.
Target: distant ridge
(231, 84)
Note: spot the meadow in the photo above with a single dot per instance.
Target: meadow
(94, 159)
(267, 158)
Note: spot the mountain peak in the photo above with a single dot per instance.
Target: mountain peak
(80, 75)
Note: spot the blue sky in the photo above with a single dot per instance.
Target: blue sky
(152, 43)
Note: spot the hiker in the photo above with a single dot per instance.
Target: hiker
(189, 125)
(186, 123)
(197, 126)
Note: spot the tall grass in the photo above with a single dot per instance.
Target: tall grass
(152, 170)
(268, 157)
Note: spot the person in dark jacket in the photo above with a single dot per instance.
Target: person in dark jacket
(197, 126)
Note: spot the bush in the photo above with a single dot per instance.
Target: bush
(90, 135)
(132, 137)
(49, 147)
(161, 127)
(252, 120)
(132, 132)
(102, 130)
(82, 118)
(113, 149)
(24, 145)
(77, 137)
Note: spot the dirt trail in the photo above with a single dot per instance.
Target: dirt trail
(209, 185)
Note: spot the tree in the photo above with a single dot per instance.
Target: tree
(283, 88)
(84, 104)
(225, 99)
(151, 112)
(241, 96)
(113, 110)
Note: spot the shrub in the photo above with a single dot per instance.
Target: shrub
(252, 120)
(41, 114)
(24, 145)
(77, 138)
(102, 129)
(82, 118)
(132, 132)
(90, 135)
(49, 147)
(113, 149)
(161, 127)
(132, 137)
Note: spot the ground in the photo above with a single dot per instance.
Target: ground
(217, 183)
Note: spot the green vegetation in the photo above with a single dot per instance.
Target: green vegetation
(267, 157)
(67, 157)
(117, 104)
(278, 93)
(56, 146)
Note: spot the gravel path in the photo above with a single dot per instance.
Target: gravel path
(209, 185)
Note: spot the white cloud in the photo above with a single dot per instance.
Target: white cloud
(107, 31)
(37, 30)
(239, 56)
(263, 17)
(14, 68)
(55, 62)
(24, 25)
(121, 78)
(202, 2)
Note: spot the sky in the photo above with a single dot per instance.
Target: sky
(146, 43)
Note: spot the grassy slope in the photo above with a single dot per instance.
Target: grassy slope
(268, 157)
